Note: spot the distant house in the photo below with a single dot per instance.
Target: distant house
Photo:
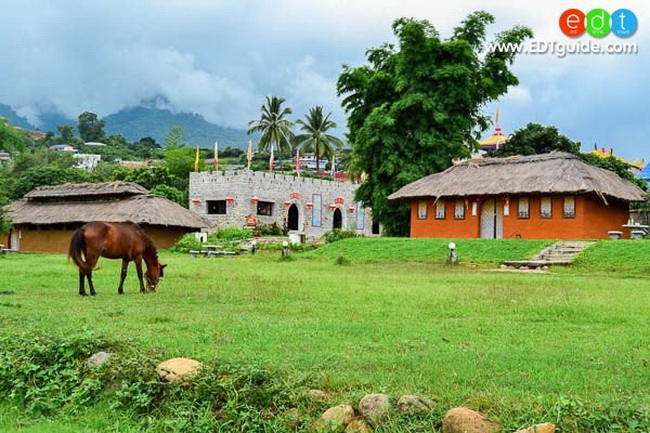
(45, 219)
(4, 157)
(62, 148)
(87, 161)
(550, 196)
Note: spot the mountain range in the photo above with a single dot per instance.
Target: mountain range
(137, 122)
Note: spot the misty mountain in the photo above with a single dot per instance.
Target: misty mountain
(137, 122)
(8, 113)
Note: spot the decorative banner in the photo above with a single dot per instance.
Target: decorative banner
(249, 153)
(216, 155)
(317, 210)
(506, 207)
(361, 214)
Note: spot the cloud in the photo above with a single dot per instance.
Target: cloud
(220, 57)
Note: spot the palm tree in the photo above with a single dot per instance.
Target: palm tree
(274, 127)
(315, 135)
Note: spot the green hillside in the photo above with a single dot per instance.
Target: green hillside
(135, 123)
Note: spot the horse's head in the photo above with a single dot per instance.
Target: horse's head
(153, 275)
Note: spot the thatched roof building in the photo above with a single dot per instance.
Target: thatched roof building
(550, 173)
(555, 195)
(59, 210)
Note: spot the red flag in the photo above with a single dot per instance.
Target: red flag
(271, 160)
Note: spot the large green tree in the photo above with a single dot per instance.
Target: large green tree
(273, 125)
(91, 127)
(415, 107)
(315, 137)
(11, 141)
(534, 139)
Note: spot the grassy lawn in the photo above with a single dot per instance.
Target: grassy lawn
(512, 345)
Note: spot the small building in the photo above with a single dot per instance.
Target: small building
(5, 157)
(306, 207)
(45, 219)
(549, 196)
(87, 161)
(62, 148)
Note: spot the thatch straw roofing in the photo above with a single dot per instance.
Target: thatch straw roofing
(116, 188)
(549, 173)
(142, 208)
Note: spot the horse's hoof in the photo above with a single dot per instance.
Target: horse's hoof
(83, 294)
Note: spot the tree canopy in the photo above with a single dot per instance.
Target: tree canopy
(273, 125)
(534, 139)
(415, 107)
(91, 128)
(315, 137)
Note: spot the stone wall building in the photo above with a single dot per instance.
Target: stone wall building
(307, 207)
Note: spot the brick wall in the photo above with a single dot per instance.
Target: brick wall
(283, 191)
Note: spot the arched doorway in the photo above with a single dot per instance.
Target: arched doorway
(338, 219)
(293, 218)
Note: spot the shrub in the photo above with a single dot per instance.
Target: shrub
(186, 243)
(227, 234)
(270, 230)
(337, 235)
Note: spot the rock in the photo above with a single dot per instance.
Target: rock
(539, 428)
(98, 359)
(375, 407)
(178, 368)
(463, 420)
(335, 418)
(318, 394)
(358, 426)
(503, 266)
(413, 405)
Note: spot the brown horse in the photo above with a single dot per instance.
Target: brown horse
(126, 241)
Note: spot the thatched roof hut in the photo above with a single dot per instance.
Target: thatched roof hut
(551, 173)
(63, 208)
(113, 202)
(550, 196)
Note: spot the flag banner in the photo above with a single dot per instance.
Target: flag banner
(216, 155)
(249, 153)
(333, 170)
(196, 160)
(297, 161)
(271, 159)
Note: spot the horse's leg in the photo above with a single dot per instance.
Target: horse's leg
(125, 266)
(90, 283)
(138, 266)
(82, 290)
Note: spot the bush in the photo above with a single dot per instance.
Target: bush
(228, 234)
(186, 243)
(337, 235)
(48, 375)
(270, 230)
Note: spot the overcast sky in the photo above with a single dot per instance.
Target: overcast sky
(219, 58)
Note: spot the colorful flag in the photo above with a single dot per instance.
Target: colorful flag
(298, 161)
(216, 155)
(271, 159)
(196, 160)
(249, 154)
(333, 169)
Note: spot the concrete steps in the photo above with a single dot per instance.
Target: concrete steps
(559, 254)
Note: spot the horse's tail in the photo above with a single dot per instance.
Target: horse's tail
(77, 249)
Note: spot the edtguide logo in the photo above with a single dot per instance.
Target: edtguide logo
(598, 23)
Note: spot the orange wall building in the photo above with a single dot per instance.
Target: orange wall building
(552, 196)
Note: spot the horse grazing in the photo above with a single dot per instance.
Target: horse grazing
(126, 241)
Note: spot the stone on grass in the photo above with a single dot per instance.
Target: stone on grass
(178, 369)
(358, 426)
(539, 428)
(318, 394)
(375, 407)
(335, 418)
(98, 359)
(413, 405)
(463, 420)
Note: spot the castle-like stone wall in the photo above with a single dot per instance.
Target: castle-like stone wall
(311, 206)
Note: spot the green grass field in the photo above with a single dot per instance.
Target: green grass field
(512, 345)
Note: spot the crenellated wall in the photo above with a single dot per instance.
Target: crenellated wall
(240, 188)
